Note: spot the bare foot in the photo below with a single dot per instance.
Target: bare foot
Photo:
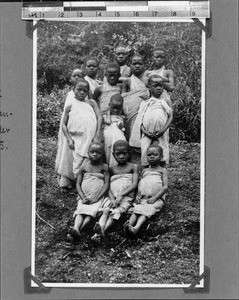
(131, 230)
(96, 238)
(98, 229)
(75, 234)
(125, 227)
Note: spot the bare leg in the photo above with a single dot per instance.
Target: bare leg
(79, 219)
(109, 224)
(133, 219)
(104, 218)
(141, 220)
(86, 221)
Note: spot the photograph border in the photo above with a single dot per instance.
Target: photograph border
(202, 156)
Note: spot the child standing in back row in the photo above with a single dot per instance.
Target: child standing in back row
(121, 55)
(134, 91)
(123, 183)
(109, 88)
(92, 184)
(151, 192)
(91, 68)
(159, 55)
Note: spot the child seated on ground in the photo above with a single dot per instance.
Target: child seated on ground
(91, 68)
(159, 55)
(110, 87)
(151, 192)
(123, 183)
(121, 55)
(92, 184)
(153, 120)
(113, 126)
(81, 124)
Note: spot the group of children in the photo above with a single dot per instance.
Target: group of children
(105, 193)
(131, 107)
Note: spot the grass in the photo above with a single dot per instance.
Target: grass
(165, 252)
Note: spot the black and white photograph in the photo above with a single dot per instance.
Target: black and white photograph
(118, 153)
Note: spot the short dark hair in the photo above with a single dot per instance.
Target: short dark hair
(137, 55)
(121, 143)
(121, 46)
(83, 81)
(117, 98)
(155, 144)
(98, 144)
(161, 48)
(92, 58)
(151, 77)
(113, 65)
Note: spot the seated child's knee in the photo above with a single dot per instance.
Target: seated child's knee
(106, 211)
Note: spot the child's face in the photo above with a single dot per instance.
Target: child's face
(91, 68)
(159, 58)
(153, 156)
(95, 153)
(81, 91)
(137, 65)
(156, 87)
(76, 75)
(116, 107)
(121, 55)
(121, 155)
(112, 75)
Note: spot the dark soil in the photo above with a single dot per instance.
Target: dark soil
(165, 252)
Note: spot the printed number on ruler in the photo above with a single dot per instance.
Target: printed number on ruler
(61, 15)
(79, 14)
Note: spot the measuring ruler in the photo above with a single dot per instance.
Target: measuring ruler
(128, 10)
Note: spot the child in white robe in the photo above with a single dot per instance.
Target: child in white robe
(113, 127)
(81, 125)
(153, 120)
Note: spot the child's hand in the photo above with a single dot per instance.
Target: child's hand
(118, 199)
(71, 144)
(145, 96)
(112, 202)
(121, 126)
(151, 201)
(85, 201)
(158, 133)
(137, 200)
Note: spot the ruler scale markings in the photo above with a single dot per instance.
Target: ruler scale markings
(114, 9)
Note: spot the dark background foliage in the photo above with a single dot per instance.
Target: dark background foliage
(63, 46)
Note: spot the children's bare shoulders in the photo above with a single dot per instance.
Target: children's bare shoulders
(134, 167)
